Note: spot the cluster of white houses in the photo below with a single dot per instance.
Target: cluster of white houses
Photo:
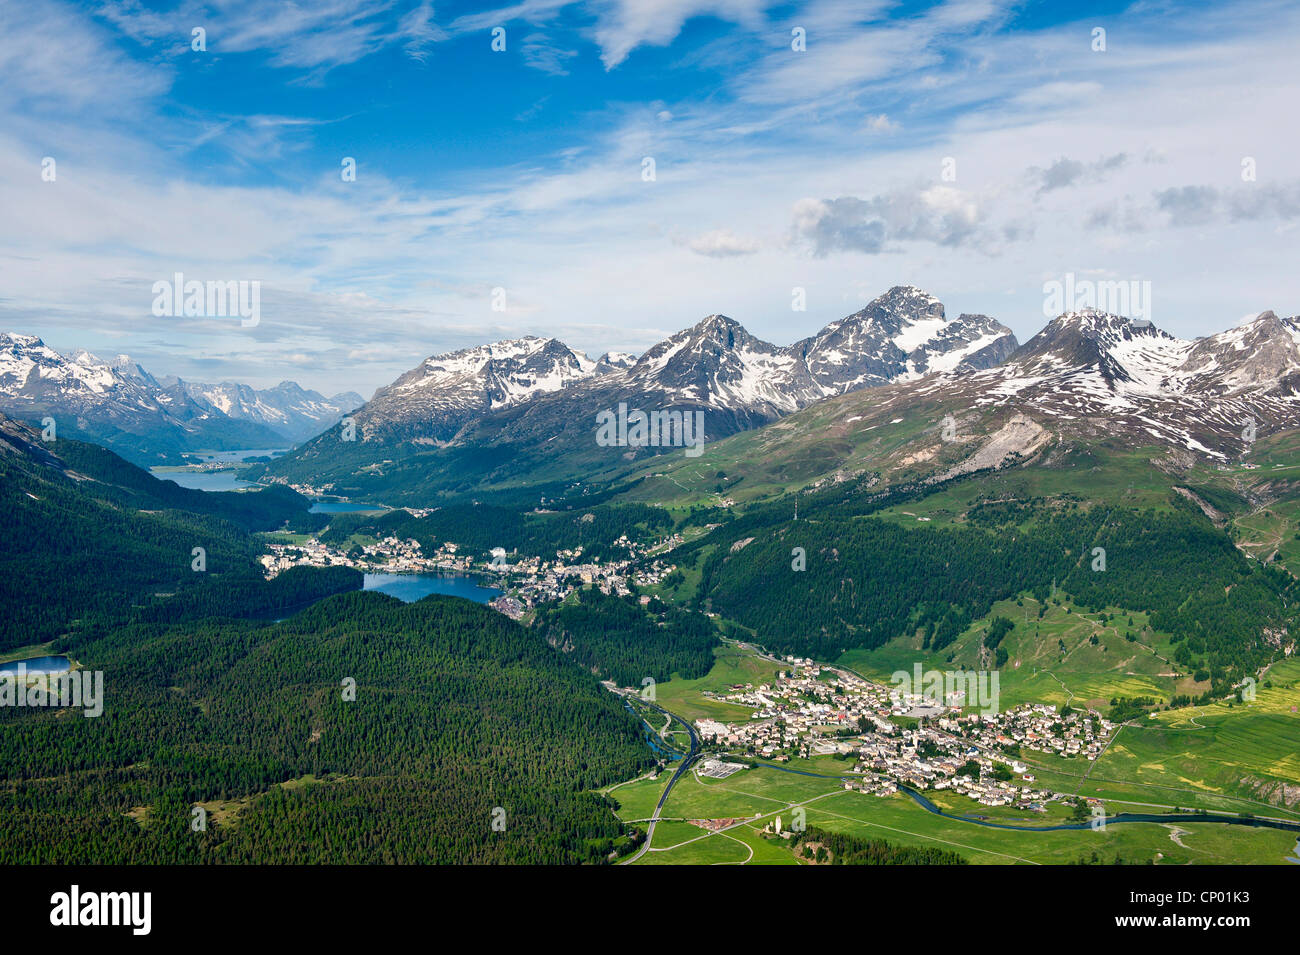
(895, 739)
(531, 579)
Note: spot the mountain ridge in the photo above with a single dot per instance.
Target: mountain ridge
(1088, 378)
(152, 420)
(459, 402)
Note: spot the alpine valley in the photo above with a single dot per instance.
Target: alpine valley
(154, 420)
(1091, 541)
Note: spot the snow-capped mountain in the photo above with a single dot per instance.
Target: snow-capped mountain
(118, 403)
(526, 407)
(900, 336)
(615, 359)
(715, 365)
(1088, 386)
(30, 369)
(288, 409)
(1095, 373)
(442, 394)
(1260, 355)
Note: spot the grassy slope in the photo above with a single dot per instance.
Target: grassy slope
(1038, 670)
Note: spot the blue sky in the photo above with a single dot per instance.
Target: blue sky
(775, 168)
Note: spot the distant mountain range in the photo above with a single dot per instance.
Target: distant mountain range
(152, 420)
(524, 410)
(522, 414)
(1088, 391)
(287, 409)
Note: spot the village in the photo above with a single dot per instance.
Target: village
(529, 580)
(890, 736)
(894, 738)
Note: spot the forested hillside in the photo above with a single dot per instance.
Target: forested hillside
(457, 711)
(618, 639)
(868, 580)
(88, 534)
(123, 483)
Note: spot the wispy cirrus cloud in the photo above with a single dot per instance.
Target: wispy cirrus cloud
(51, 56)
(319, 35)
(768, 174)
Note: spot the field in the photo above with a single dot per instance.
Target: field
(1241, 759)
(1200, 756)
(755, 797)
(732, 665)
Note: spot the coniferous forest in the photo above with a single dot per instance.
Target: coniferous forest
(359, 729)
(311, 722)
(620, 640)
(461, 718)
(869, 580)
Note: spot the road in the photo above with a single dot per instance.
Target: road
(686, 765)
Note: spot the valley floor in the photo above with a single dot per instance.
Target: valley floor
(1213, 759)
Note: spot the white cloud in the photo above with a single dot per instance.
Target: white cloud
(370, 277)
(880, 123)
(722, 243)
(320, 35)
(624, 25)
(53, 57)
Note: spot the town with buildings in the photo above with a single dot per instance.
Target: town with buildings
(889, 738)
(892, 738)
(528, 580)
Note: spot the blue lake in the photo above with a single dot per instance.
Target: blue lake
(344, 507)
(411, 587)
(226, 480)
(38, 665)
(204, 480)
(234, 457)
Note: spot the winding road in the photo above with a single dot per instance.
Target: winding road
(663, 798)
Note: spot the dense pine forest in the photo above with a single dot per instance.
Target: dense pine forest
(461, 717)
(123, 483)
(114, 538)
(840, 848)
(423, 476)
(359, 729)
(869, 580)
(618, 639)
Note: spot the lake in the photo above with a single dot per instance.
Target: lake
(38, 665)
(344, 507)
(226, 480)
(411, 587)
(236, 457)
(204, 480)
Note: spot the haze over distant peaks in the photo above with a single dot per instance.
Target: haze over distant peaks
(148, 419)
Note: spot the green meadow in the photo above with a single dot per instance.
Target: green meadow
(732, 665)
(1236, 759)
(1067, 656)
(753, 798)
